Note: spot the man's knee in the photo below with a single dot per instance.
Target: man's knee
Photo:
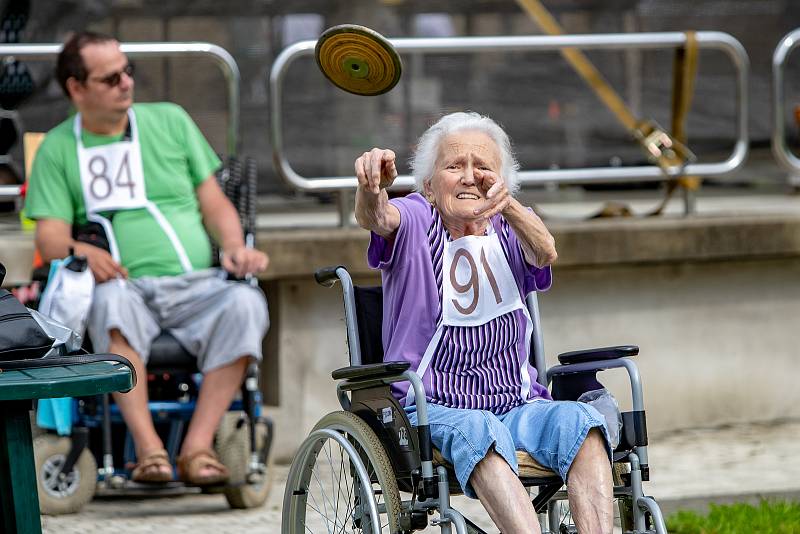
(117, 337)
(245, 304)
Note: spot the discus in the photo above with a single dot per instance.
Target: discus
(358, 60)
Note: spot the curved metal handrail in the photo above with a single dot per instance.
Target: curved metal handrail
(705, 39)
(779, 147)
(223, 59)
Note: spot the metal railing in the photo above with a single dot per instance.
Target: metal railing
(706, 39)
(779, 148)
(40, 51)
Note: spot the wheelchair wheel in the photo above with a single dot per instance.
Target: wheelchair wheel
(341, 480)
(69, 495)
(232, 445)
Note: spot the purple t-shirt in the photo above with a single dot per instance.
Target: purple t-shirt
(460, 375)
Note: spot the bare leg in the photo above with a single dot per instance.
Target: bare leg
(503, 496)
(590, 489)
(133, 404)
(216, 394)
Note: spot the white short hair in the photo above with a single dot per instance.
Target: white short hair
(423, 161)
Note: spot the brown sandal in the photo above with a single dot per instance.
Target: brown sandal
(190, 465)
(149, 469)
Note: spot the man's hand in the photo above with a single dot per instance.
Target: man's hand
(103, 266)
(242, 261)
(376, 170)
(497, 196)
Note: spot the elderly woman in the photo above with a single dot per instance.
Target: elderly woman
(457, 259)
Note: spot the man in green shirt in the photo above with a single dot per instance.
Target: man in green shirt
(145, 173)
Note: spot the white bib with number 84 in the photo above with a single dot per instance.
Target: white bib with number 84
(111, 175)
(477, 284)
(112, 179)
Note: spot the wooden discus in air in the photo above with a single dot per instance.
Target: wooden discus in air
(358, 60)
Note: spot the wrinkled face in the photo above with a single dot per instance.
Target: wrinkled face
(453, 187)
(108, 87)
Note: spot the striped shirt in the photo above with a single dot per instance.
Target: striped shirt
(476, 367)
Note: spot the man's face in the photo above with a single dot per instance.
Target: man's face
(108, 87)
(453, 186)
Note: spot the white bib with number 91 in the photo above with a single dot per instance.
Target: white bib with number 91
(477, 282)
(111, 175)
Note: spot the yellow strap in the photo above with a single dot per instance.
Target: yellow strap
(684, 73)
(582, 65)
(660, 146)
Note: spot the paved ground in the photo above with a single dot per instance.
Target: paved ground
(689, 469)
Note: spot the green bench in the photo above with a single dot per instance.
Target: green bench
(19, 502)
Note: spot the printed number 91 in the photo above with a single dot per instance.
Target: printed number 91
(473, 284)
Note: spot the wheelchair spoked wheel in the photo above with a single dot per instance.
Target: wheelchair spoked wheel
(232, 445)
(341, 480)
(62, 495)
(623, 507)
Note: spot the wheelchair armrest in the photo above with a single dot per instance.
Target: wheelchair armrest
(327, 276)
(598, 354)
(370, 371)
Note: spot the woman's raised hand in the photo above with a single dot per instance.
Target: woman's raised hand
(497, 195)
(376, 169)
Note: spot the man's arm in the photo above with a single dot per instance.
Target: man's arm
(54, 239)
(376, 171)
(222, 222)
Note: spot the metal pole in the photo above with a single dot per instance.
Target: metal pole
(223, 59)
(780, 150)
(715, 40)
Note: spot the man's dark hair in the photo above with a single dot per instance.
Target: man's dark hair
(70, 62)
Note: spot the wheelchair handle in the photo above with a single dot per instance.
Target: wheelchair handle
(327, 276)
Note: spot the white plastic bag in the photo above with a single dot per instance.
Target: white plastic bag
(66, 340)
(605, 403)
(68, 295)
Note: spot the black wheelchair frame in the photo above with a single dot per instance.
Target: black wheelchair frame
(67, 467)
(382, 456)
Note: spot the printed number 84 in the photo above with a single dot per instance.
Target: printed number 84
(98, 168)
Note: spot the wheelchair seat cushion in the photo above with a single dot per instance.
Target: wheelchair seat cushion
(528, 466)
(166, 354)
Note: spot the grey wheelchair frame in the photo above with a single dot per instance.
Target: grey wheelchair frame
(365, 427)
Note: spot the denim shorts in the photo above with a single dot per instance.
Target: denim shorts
(550, 431)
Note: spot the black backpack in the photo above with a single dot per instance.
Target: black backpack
(21, 337)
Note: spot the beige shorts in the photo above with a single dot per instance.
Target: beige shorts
(216, 320)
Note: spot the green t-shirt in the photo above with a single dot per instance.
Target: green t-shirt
(176, 158)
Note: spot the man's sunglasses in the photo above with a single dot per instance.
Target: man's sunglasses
(113, 79)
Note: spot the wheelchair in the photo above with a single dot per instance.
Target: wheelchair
(365, 469)
(67, 470)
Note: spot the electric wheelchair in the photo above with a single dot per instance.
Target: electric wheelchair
(67, 466)
(365, 469)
